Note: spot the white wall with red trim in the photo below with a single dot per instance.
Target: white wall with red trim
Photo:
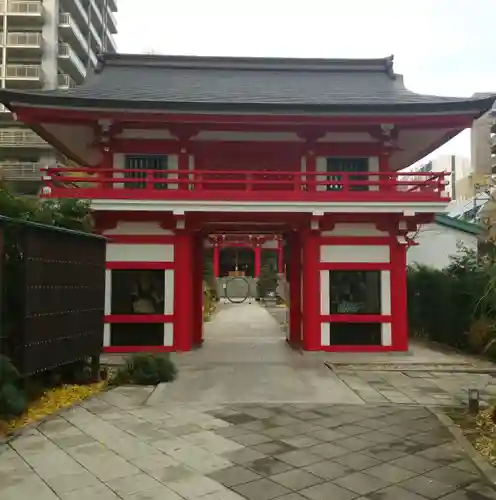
(127, 253)
(350, 250)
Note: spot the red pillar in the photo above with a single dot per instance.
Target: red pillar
(258, 260)
(198, 289)
(311, 291)
(280, 257)
(216, 258)
(399, 306)
(183, 290)
(107, 164)
(294, 288)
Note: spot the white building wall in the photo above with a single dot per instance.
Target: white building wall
(459, 166)
(436, 243)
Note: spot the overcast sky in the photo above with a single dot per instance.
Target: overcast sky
(444, 47)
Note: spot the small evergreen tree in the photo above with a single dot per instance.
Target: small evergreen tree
(267, 282)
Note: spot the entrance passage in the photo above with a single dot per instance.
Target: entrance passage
(244, 333)
(235, 259)
(246, 358)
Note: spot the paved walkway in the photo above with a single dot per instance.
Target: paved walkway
(114, 447)
(249, 418)
(245, 358)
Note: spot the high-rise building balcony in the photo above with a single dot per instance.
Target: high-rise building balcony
(20, 171)
(28, 12)
(70, 62)
(72, 33)
(80, 14)
(23, 44)
(65, 82)
(20, 138)
(111, 22)
(24, 75)
(103, 23)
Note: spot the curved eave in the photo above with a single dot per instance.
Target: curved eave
(474, 107)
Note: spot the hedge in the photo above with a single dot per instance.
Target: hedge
(456, 305)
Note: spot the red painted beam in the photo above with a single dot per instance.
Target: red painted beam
(29, 114)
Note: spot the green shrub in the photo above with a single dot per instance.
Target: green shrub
(455, 306)
(12, 399)
(267, 282)
(146, 369)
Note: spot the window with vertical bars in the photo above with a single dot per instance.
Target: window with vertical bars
(347, 165)
(139, 164)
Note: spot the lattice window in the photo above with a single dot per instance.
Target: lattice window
(138, 165)
(347, 165)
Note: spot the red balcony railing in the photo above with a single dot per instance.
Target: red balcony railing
(93, 183)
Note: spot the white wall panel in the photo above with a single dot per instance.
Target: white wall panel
(139, 253)
(321, 166)
(216, 135)
(386, 334)
(168, 334)
(169, 291)
(145, 134)
(108, 292)
(355, 253)
(106, 335)
(324, 292)
(271, 244)
(358, 229)
(374, 167)
(151, 228)
(119, 164)
(325, 334)
(172, 165)
(385, 292)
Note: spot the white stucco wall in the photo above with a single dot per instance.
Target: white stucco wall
(436, 243)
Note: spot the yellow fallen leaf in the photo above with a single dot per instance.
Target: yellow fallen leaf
(52, 400)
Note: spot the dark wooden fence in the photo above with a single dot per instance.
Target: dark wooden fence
(53, 292)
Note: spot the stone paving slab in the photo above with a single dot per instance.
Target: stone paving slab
(285, 451)
(424, 388)
(245, 358)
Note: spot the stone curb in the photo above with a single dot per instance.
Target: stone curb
(487, 470)
(156, 394)
(34, 425)
(413, 367)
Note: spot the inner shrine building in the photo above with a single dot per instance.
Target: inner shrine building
(175, 152)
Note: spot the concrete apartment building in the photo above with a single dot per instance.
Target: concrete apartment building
(46, 44)
(459, 186)
(483, 144)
